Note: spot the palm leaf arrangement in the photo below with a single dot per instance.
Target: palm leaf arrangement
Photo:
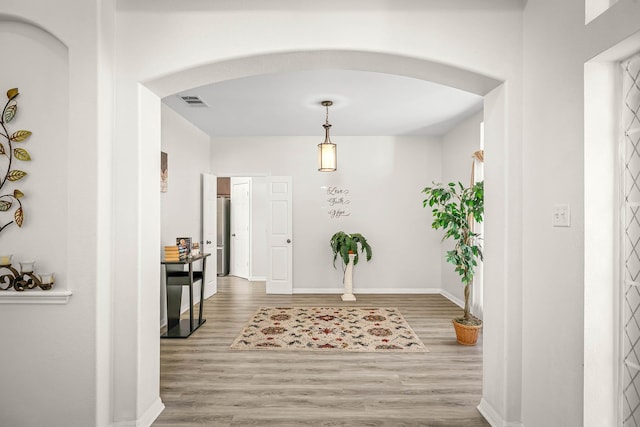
(342, 244)
(10, 202)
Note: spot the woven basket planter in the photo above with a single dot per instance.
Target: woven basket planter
(465, 334)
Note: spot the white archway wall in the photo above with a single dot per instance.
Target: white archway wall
(502, 305)
(393, 42)
(487, 42)
(418, 41)
(62, 355)
(552, 263)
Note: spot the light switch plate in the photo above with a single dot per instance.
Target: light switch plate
(561, 216)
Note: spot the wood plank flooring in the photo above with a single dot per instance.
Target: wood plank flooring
(203, 383)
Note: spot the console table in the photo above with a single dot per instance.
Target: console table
(176, 278)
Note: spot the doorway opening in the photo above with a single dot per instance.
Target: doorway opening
(497, 133)
(242, 232)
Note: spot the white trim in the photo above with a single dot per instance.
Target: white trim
(371, 291)
(454, 299)
(492, 417)
(250, 254)
(318, 291)
(146, 419)
(151, 414)
(257, 278)
(34, 296)
(208, 294)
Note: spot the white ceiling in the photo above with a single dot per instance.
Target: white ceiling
(364, 103)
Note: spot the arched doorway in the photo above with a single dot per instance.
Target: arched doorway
(502, 168)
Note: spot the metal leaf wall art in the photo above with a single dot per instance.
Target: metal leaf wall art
(10, 201)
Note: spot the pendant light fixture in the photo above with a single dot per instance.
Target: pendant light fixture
(327, 151)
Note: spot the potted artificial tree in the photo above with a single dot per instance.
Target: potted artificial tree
(455, 208)
(347, 247)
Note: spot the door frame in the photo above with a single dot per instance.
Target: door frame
(209, 181)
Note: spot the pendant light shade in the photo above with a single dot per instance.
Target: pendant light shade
(327, 151)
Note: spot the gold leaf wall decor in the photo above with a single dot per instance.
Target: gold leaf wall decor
(21, 154)
(9, 113)
(20, 135)
(19, 217)
(16, 175)
(11, 200)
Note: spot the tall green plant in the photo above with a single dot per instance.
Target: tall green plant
(343, 243)
(455, 208)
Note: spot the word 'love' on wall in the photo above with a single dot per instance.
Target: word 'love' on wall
(336, 201)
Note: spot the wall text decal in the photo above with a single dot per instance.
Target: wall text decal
(337, 201)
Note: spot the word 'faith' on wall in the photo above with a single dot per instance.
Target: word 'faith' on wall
(337, 201)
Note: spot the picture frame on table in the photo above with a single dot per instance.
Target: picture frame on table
(184, 246)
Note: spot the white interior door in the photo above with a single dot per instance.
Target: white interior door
(280, 235)
(240, 226)
(209, 231)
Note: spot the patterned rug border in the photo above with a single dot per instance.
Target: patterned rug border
(421, 348)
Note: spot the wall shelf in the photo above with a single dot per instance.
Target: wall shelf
(34, 296)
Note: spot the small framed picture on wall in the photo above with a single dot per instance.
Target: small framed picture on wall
(164, 172)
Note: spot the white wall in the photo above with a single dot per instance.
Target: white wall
(66, 207)
(30, 336)
(484, 40)
(553, 266)
(104, 290)
(188, 151)
(458, 146)
(384, 176)
(153, 41)
(557, 45)
(43, 108)
(482, 47)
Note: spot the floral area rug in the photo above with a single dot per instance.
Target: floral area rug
(337, 329)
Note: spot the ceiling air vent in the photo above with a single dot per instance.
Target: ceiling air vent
(193, 101)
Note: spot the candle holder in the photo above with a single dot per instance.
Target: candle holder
(27, 266)
(5, 260)
(25, 279)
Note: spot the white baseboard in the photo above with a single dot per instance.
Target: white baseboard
(492, 417)
(357, 291)
(208, 293)
(454, 299)
(151, 414)
(146, 419)
(319, 291)
(257, 279)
